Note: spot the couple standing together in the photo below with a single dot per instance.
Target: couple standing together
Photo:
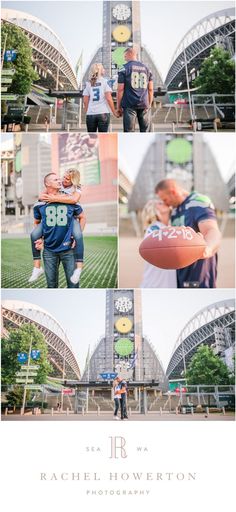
(59, 223)
(120, 397)
(134, 96)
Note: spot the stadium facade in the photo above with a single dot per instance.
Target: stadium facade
(215, 30)
(186, 158)
(213, 326)
(124, 349)
(60, 353)
(122, 28)
(50, 58)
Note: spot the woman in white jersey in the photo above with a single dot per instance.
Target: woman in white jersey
(98, 102)
(155, 215)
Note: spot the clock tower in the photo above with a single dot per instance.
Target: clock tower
(121, 29)
(124, 331)
(124, 349)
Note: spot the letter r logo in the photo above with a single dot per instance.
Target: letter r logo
(117, 447)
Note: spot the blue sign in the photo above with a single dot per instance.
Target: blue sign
(35, 354)
(108, 376)
(10, 55)
(22, 357)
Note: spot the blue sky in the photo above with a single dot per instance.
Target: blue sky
(82, 314)
(79, 24)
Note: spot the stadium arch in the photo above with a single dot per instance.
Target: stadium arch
(218, 28)
(50, 58)
(201, 330)
(60, 353)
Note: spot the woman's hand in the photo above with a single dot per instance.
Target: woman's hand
(47, 197)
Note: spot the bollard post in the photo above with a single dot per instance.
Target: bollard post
(67, 411)
(192, 411)
(6, 411)
(68, 127)
(83, 411)
(173, 127)
(52, 411)
(207, 411)
(98, 411)
(223, 410)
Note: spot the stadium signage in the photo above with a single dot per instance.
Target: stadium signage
(8, 72)
(108, 375)
(10, 97)
(68, 391)
(22, 381)
(6, 80)
(10, 55)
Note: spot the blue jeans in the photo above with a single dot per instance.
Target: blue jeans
(76, 232)
(52, 262)
(117, 404)
(123, 406)
(129, 119)
(98, 122)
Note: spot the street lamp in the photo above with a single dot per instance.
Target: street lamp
(187, 80)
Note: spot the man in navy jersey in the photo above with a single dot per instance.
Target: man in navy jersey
(134, 93)
(196, 211)
(57, 223)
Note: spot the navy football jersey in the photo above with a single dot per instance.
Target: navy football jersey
(135, 76)
(194, 209)
(57, 224)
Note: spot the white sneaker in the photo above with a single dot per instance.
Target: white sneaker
(116, 418)
(37, 272)
(76, 275)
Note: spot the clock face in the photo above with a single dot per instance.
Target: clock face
(123, 304)
(123, 325)
(121, 12)
(121, 33)
(124, 347)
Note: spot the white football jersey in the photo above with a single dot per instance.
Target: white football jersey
(97, 99)
(70, 190)
(154, 277)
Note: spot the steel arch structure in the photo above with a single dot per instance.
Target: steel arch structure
(49, 54)
(197, 43)
(200, 330)
(17, 313)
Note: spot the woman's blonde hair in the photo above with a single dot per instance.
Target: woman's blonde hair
(95, 72)
(150, 213)
(75, 177)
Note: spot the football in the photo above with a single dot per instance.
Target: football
(172, 247)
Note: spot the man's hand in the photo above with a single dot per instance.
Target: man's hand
(39, 245)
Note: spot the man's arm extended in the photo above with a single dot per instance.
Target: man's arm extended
(120, 94)
(212, 236)
(150, 92)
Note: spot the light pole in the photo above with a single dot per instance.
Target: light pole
(188, 87)
(27, 375)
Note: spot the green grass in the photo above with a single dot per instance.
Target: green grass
(100, 265)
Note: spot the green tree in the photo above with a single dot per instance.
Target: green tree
(19, 341)
(24, 73)
(207, 368)
(15, 395)
(217, 74)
